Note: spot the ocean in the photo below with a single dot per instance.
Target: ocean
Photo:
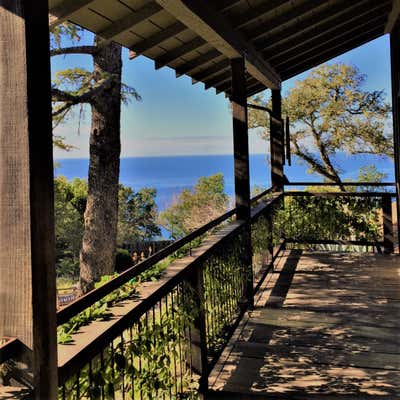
(170, 175)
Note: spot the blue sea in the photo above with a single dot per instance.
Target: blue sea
(170, 175)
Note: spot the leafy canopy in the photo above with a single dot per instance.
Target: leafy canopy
(137, 219)
(194, 208)
(330, 112)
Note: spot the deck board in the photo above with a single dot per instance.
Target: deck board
(325, 326)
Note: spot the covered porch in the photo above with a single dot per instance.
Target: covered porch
(173, 339)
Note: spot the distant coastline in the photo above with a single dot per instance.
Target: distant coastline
(171, 174)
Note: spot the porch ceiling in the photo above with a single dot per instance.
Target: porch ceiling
(280, 38)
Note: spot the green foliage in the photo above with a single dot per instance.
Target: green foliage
(136, 221)
(69, 206)
(369, 173)
(100, 310)
(137, 215)
(146, 361)
(194, 208)
(67, 31)
(329, 218)
(330, 111)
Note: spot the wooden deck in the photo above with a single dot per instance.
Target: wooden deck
(326, 326)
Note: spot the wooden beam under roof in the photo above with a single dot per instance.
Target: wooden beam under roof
(158, 38)
(217, 80)
(212, 26)
(347, 30)
(210, 71)
(128, 21)
(334, 21)
(303, 24)
(196, 43)
(321, 45)
(393, 16)
(191, 65)
(238, 22)
(194, 64)
(306, 7)
(61, 13)
(330, 52)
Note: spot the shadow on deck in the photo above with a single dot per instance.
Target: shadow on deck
(325, 326)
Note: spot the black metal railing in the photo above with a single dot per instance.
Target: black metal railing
(162, 341)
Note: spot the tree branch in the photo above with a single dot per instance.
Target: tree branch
(73, 50)
(314, 164)
(58, 95)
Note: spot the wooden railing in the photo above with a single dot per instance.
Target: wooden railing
(160, 340)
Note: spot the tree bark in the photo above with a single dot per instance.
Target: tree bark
(100, 221)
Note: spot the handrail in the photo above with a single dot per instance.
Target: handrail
(116, 325)
(339, 194)
(340, 184)
(82, 303)
(73, 361)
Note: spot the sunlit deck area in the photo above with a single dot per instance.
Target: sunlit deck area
(325, 326)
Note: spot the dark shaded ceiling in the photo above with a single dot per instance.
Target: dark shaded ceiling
(291, 36)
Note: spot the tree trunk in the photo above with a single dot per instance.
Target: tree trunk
(100, 221)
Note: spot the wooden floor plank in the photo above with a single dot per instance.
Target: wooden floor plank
(325, 326)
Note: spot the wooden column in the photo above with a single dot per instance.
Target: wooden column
(387, 214)
(276, 141)
(240, 139)
(395, 75)
(242, 171)
(27, 268)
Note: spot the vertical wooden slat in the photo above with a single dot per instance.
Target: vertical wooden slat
(242, 170)
(395, 78)
(277, 142)
(27, 284)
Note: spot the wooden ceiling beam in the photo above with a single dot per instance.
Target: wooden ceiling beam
(217, 80)
(393, 16)
(224, 87)
(213, 27)
(342, 31)
(129, 21)
(300, 25)
(211, 71)
(328, 21)
(238, 23)
(307, 7)
(329, 53)
(60, 14)
(180, 51)
(255, 89)
(192, 65)
(196, 43)
(157, 38)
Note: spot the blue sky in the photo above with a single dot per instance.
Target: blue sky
(178, 118)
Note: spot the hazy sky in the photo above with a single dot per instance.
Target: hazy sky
(176, 117)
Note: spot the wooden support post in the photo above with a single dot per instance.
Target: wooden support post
(242, 171)
(277, 142)
(387, 216)
(27, 267)
(198, 334)
(395, 77)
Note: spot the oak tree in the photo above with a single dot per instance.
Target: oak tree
(330, 111)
